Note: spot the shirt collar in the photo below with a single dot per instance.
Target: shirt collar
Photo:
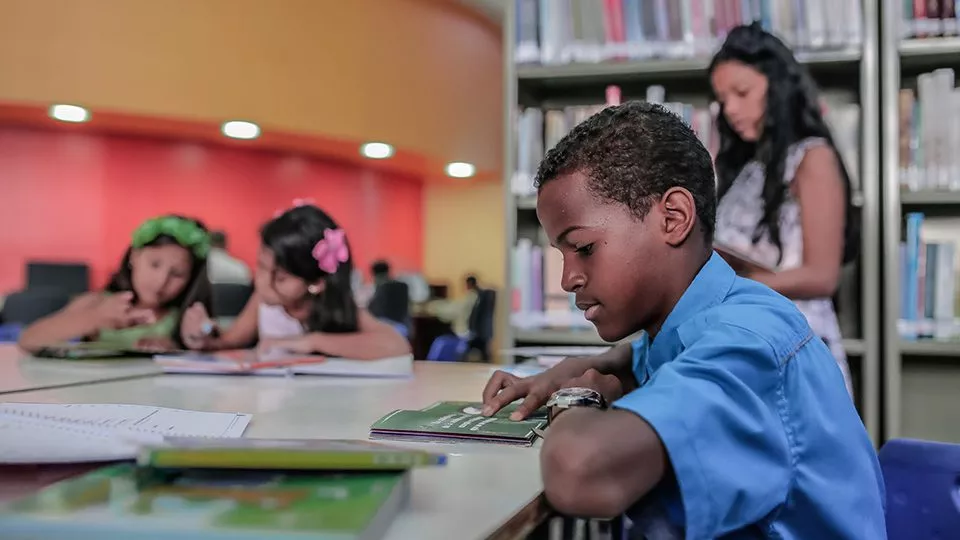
(708, 289)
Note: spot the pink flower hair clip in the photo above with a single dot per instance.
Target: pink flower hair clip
(331, 250)
(296, 203)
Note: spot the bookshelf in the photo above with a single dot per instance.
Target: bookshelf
(921, 374)
(851, 67)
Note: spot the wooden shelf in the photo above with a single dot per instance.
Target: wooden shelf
(930, 347)
(556, 336)
(929, 198)
(940, 46)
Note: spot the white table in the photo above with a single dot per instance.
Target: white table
(20, 372)
(482, 485)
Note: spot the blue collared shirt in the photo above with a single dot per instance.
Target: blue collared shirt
(762, 436)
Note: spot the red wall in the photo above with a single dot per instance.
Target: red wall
(77, 197)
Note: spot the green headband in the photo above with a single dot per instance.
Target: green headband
(186, 232)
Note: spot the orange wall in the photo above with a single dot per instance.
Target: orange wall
(423, 75)
(77, 197)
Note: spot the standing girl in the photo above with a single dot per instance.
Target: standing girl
(784, 194)
(162, 272)
(302, 300)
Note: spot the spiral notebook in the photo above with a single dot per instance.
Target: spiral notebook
(80, 433)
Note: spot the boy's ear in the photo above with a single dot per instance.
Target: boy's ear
(679, 213)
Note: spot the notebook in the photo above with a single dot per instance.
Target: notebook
(122, 501)
(452, 421)
(284, 454)
(252, 362)
(80, 433)
(98, 350)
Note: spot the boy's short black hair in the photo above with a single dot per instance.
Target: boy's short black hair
(380, 268)
(632, 154)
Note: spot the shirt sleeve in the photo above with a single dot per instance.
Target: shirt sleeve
(715, 408)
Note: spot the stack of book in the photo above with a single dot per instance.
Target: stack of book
(928, 19)
(929, 260)
(566, 31)
(930, 133)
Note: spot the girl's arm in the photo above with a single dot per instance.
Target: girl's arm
(73, 321)
(373, 339)
(241, 334)
(818, 187)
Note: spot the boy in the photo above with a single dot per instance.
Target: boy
(730, 417)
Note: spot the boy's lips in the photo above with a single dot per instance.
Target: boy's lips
(589, 309)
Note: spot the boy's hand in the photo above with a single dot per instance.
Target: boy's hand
(503, 388)
(609, 386)
(192, 327)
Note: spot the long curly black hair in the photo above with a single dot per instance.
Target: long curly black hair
(792, 114)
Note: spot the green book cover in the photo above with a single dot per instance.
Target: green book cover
(283, 454)
(120, 502)
(452, 420)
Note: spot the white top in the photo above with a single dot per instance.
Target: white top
(225, 268)
(739, 212)
(275, 322)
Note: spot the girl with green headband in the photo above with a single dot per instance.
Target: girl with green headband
(162, 272)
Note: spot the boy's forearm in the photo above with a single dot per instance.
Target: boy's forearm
(617, 361)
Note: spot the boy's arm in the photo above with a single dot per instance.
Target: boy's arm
(707, 414)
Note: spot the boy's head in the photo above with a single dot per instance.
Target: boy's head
(628, 196)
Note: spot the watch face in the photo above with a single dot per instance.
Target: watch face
(577, 392)
(572, 397)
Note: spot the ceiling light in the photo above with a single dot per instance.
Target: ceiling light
(239, 129)
(69, 113)
(376, 150)
(459, 169)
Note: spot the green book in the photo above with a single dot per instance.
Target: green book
(98, 350)
(448, 421)
(283, 454)
(118, 502)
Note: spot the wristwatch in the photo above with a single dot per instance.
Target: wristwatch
(566, 398)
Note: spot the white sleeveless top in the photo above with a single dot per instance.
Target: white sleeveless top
(275, 322)
(739, 212)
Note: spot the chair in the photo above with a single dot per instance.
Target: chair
(229, 299)
(391, 301)
(400, 328)
(480, 323)
(10, 333)
(71, 278)
(449, 348)
(923, 493)
(25, 307)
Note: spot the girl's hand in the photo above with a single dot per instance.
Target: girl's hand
(298, 344)
(157, 344)
(196, 328)
(115, 312)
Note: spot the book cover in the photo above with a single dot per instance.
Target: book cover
(459, 420)
(284, 454)
(121, 502)
(99, 350)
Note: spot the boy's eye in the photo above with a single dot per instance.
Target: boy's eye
(585, 250)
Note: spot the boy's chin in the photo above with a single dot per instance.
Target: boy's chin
(609, 332)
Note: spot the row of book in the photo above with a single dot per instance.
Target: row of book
(929, 18)
(929, 260)
(538, 300)
(930, 133)
(565, 31)
(538, 130)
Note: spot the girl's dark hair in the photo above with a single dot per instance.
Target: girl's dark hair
(198, 286)
(792, 114)
(291, 237)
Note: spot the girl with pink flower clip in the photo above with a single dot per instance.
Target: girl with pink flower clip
(302, 300)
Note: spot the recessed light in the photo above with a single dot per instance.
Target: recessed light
(239, 129)
(459, 169)
(69, 113)
(376, 150)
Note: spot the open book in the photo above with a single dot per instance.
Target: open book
(453, 421)
(64, 433)
(252, 362)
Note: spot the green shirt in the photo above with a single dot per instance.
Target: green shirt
(130, 336)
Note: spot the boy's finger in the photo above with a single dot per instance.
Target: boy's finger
(533, 401)
(497, 381)
(507, 395)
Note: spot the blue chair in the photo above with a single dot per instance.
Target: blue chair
(448, 348)
(9, 333)
(923, 488)
(400, 328)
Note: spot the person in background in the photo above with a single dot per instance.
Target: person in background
(732, 421)
(161, 273)
(223, 267)
(784, 193)
(391, 298)
(457, 311)
(302, 300)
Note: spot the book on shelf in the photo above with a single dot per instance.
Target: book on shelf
(253, 362)
(553, 32)
(929, 261)
(929, 121)
(538, 130)
(283, 454)
(928, 18)
(453, 421)
(123, 501)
